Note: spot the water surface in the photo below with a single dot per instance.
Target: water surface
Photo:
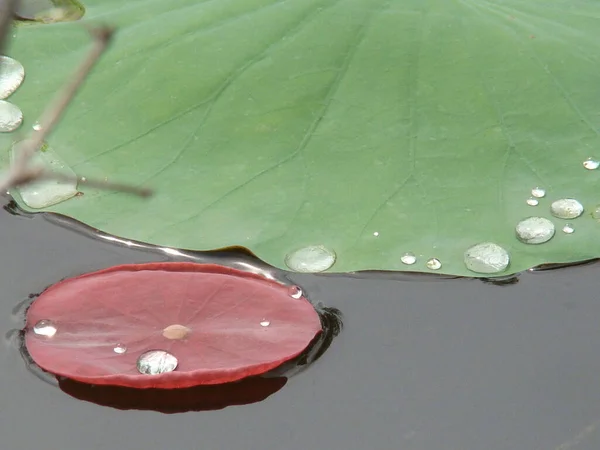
(421, 364)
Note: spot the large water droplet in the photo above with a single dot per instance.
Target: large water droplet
(43, 193)
(409, 258)
(45, 328)
(11, 75)
(566, 208)
(311, 259)
(50, 11)
(538, 192)
(433, 264)
(535, 230)
(532, 201)
(568, 229)
(486, 257)
(591, 164)
(155, 362)
(11, 117)
(120, 349)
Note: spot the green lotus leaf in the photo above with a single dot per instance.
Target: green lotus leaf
(370, 127)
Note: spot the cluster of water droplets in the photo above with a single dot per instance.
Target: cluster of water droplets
(485, 257)
(538, 230)
(12, 74)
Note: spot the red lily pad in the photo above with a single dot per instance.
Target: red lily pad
(221, 325)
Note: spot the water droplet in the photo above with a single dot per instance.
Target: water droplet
(486, 257)
(45, 328)
(50, 11)
(11, 117)
(376, 234)
(155, 362)
(409, 258)
(434, 264)
(568, 229)
(591, 164)
(535, 230)
(596, 213)
(265, 323)
(532, 201)
(120, 349)
(311, 259)
(176, 331)
(296, 292)
(566, 208)
(43, 193)
(11, 75)
(538, 192)
(37, 126)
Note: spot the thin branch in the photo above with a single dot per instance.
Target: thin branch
(20, 172)
(55, 110)
(140, 191)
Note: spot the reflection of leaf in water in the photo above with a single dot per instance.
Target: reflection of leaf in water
(374, 128)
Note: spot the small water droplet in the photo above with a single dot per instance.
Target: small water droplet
(11, 75)
(538, 192)
(265, 323)
(409, 258)
(11, 117)
(532, 201)
(45, 328)
(591, 164)
(434, 264)
(311, 259)
(596, 213)
(568, 229)
(155, 362)
(535, 230)
(37, 126)
(376, 234)
(120, 349)
(486, 257)
(566, 208)
(296, 292)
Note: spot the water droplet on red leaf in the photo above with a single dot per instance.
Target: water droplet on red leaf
(204, 315)
(156, 362)
(296, 292)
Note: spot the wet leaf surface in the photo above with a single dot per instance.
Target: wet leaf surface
(218, 325)
(373, 128)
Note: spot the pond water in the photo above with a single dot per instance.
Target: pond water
(421, 363)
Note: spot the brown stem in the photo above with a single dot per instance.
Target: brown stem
(54, 111)
(142, 192)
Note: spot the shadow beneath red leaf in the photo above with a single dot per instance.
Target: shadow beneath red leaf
(171, 401)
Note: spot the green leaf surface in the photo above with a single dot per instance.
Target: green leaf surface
(371, 127)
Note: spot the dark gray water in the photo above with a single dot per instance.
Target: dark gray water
(422, 364)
